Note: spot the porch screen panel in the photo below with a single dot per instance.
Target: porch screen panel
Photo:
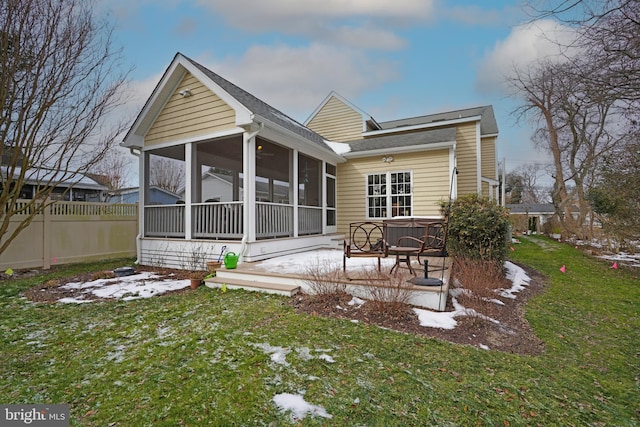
(330, 182)
(309, 181)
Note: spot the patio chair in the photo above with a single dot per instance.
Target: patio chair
(366, 239)
(432, 244)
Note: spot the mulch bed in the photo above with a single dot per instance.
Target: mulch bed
(513, 334)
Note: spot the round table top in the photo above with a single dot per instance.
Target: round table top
(403, 249)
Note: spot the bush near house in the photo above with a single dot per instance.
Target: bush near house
(477, 228)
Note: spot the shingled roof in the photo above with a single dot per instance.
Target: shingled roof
(259, 107)
(488, 124)
(425, 137)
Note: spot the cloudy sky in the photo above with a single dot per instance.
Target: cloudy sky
(392, 58)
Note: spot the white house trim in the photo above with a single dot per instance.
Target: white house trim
(197, 138)
(424, 126)
(478, 158)
(397, 150)
(163, 91)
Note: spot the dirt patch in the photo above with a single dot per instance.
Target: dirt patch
(512, 333)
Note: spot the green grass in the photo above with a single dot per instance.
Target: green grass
(198, 359)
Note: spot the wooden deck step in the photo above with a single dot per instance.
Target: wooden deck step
(252, 285)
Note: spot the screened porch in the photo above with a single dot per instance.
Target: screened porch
(287, 193)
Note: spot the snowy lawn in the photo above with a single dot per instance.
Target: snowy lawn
(205, 357)
(147, 284)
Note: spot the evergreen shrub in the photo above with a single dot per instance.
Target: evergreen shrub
(477, 228)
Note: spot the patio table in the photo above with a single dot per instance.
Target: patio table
(403, 254)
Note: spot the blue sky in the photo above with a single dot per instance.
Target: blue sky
(391, 58)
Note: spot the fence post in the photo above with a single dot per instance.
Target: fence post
(46, 236)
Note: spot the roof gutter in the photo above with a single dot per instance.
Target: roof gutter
(398, 150)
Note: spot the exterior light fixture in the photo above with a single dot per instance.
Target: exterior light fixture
(185, 93)
(387, 159)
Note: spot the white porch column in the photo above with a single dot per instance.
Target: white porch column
(249, 187)
(143, 190)
(323, 190)
(189, 179)
(296, 191)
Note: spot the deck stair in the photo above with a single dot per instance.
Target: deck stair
(255, 280)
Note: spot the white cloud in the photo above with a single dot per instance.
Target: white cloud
(524, 45)
(248, 13)
(296, 79)
(359, 23)
(479, 16)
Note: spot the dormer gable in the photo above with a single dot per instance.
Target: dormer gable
(337, 119)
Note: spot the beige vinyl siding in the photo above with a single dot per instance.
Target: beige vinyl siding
(199, 114)
(467, 160)
(337, 121)
(485, 189)
(430, 184)
(489, 161)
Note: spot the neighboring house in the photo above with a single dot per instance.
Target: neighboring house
(531, 216)
(156, 196)
(218, 187)
(78, 187)
(280, 186)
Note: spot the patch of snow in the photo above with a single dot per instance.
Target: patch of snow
(326, 358)
(74, 300)
(305, 353)
(117, 355)
(277, 354)
(338, 147)
(320, 259)
(132, 287)
(298, 407)
(518, 277)
(630, 260)
(356, 301)
(484, 347)
(432, 319)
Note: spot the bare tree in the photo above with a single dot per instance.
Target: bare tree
(523, 184)
(166, 173)
(589, 103)
(607, 34)
(59, 78)
(113, 170)
(616, 196)
(577, 123)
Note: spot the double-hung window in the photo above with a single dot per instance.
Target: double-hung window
(389, 194)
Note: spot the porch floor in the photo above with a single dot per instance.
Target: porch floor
(290, 274)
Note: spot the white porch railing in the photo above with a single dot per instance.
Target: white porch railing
(164, 221)
(217, 220)
(225, 220)
(309, 220)
(273, 220)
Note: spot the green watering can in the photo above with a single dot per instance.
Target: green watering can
(231, 260)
